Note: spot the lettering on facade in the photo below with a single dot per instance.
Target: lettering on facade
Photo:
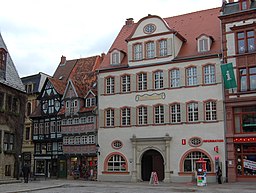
(213, 140)
(154, 96)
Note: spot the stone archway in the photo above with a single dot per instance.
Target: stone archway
(152, 161)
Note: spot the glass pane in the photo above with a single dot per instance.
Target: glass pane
(253, 82)
(243, 83)
(252, 70)
(240, 35)
(250, 33)
(237, 124)
(249, 123)
(241, 46)
(251, 44)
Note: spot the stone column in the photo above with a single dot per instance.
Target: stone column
(167, 178)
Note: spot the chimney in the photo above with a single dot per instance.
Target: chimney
(231, 1)
(63, 60)
(129, 21)
(103, 55)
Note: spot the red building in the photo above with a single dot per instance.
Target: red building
(238, 38)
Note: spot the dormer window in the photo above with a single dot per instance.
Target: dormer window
(204, 43)
(244, 4)
(89, 102)
(115, 59)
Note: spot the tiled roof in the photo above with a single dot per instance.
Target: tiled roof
(59, 85)
(190, 26)
(84, 75)
(12, 78)
(63, 70)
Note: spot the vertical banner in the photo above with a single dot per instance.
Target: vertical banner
(228, 75)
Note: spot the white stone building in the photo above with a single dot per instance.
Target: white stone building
(161, 101)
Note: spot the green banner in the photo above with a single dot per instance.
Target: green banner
(228, 76)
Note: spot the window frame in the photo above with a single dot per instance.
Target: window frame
(212, 112)
(158, 78)
(142, 118)
(174, 80)
(162, 48)
(125, 114)
(150, 49)
(109, 119)
(244, 39)
(125, 83)
(142, 85)
(194, 113)
(175, 116)
(159, 117)
(119, 165)
(247, 76)
(110, 85)
(191, 76)
(210, 74)
(137, 51)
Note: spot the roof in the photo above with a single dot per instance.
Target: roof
(230, 8)
(36, 79)
(190, 26)
(84, 74)
(64, 69)
(12, 78)
(59, 85)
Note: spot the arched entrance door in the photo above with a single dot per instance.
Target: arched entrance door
(151, 161)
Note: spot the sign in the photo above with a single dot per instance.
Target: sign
(228, 75)
(146, 97)
(212, 140)
(249, 164)
(183, 141)
(153, 178)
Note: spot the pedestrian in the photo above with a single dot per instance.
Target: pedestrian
(219, 175)
(26, 172)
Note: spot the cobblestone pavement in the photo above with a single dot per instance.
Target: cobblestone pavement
(77, 186)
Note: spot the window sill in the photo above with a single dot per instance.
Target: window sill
(121, 173)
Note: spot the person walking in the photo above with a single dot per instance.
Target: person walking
(26, 172)
(219, 175)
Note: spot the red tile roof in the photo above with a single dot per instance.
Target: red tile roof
(189, 26)
(59, 85)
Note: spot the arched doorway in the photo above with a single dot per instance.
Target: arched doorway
(152, 160)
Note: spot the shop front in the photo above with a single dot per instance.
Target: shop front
(82, 167)
(245, 154)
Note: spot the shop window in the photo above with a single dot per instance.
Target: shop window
(189, 163)
(245, 119)
(247, 79)
(245, 159)
(40, 167)
(116, 163)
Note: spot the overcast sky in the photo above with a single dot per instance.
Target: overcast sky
(38, 32)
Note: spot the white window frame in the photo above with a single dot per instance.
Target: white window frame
(109, 117)
(126, 83)
(142, 115)
(150, 50)
(126, 116)
(159, 114)
(142, 81)
(191, 76)
(110, 85)
(163, 48)
(193, 112)
(209, 74)
(158, 79)
(115, 58)
(210, 111)
(175, 113)
(137, 49)
(116, 163)
(174, 78)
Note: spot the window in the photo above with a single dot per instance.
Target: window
(245, 159)
(190, 165)
(150, 50)
(192, 110)
(60, 146)
(110, 85)
(90, 102)
(209, 74)
(35, 128)
(191, 75)
(247, 79)
(116, 163)
(59, 126)
(49, 147)
(29, 108)
(126, 116)
(117, 144)
(109, 117)
(77, 140)
(137, 51)
(91, 139)
(83, 139)
(115, 58)
(163, 47)
(53, 126)
(29, 88)
(65, 140)
(245, 119)
(71, 140)
(246, 41)
(41, 129)
(142, 81)
(142, 115)
(159, 114)
(8, 142)
(158, 79)
(203, 45)
(175, 113)
(90, 119)
(210, 111)
(1, 101)
(126, 83)
(27, 133)
(175, 78)
(195, 142)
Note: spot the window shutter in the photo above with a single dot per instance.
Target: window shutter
(130, 57)
(201, 111)
(220, 114)
(169, 46)
(150, 115)
(183, 112)
(117, 117)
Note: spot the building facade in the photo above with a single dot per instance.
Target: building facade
(33, 85)
(79, 120)
(12, 112)
(161, 100)
(238, 36)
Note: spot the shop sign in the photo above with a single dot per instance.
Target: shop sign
(249, 164)
(213, 140)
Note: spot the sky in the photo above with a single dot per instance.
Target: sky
(38, 32)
